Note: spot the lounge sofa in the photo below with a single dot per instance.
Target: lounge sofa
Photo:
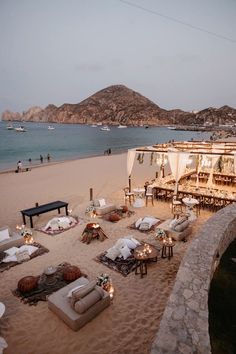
(61, 305)
(176, 229)
(9, 239)
(102, 207)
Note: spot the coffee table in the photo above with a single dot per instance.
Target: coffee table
(143, 254)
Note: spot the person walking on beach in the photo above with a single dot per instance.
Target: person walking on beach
(41, 158)
(19, 166)
(48, 157)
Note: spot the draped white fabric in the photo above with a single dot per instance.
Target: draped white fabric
(130, 160)
(214, 160)
(235, 163)
(177, 161)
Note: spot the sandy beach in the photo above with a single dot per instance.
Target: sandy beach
(127, 326)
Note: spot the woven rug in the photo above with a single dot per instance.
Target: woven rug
(120, 265)
(74, 222)
(118, 212)
(133, 227)
(44, 288)
(5, 266)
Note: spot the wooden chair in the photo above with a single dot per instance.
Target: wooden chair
(129, 196)
(149, 195)
(176, 207)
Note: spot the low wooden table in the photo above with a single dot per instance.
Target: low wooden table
(44, 208)
(144, 254)
(92, 231)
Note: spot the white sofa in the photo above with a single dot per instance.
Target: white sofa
(176, 235)
(59, 303)
(102, 207)
(13, 240)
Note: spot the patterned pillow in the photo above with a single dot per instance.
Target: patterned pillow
(112, 253)
(144, 226)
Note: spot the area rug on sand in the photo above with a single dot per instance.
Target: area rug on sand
(45, 287)
(119, 213)
(5, 266)
(120, 265)
(60, 224)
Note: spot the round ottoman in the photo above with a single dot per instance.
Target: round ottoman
(27, 284)
(71, 273)
(114, 217)
(124, 208)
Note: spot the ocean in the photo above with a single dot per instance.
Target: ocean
(73, 141)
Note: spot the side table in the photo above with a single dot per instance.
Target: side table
(167, 250)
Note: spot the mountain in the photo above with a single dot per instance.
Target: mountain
(120, 105)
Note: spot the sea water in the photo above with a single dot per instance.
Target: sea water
(72, 141)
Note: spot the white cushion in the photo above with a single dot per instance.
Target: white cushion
(129, 243)
(29, 248)
(125, 252)
(11, 251)
(119, 243)
(74, 289)
(151, 220)
(144, 226)
(135, 241)
(112, 253)
(4, 235)
(9, 259)
(138, 222)
(96, 203)
(102, 202)
(22, 255)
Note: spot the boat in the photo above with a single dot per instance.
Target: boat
(122, 126)
(105, 128)
(20, 129)
(99, 123)
(10, 127)
(50, 127)
(171, 128)
(94, 125)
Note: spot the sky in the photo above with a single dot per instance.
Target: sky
(179, 54)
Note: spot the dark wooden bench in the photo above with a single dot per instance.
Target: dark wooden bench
(44, 208)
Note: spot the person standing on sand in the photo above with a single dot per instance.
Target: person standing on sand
(48, 157)
(19, 166)
(41, 158)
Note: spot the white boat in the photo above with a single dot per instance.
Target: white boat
(105, 128)
(50, 127)
(99, 123)
(10, 127)
(20, 129)
(94, 125)
(171, 128)
(122, 126)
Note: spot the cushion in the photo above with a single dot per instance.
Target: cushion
(4, 235)
(135, 241)
(96, 203)
(151, 220)
(11, 251)
(125, 251)
(74, 289)
(29, 248)
(173, 223)
(89, 300)
(182, 226)
(9, 259)
(22, 256)
(102, 202)
(80, 293)
(119, 243)
(129, 243)
(138, 222)
(113, 252)
(144, 226)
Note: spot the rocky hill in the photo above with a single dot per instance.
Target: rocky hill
(120, 105)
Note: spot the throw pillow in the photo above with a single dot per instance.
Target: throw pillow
(181, 227)
(11, 251)
(30, 249)
(89, 300)
(138, 222)
(135, 241)
(102, 202)
(144, 226)
(22, 256)
(125, 251)
(80, 293)
(96, 203)
(4, 235)
(151, 220)
(74, 289)
(129, 243)
(113, 252)
(119, 243)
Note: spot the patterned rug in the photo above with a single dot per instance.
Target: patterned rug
(44, 288)
(119, 265)
(73, 223)
(5, 266)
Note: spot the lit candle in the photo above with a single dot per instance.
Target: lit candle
(111, 292)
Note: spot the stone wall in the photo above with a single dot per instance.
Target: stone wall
(184, 326)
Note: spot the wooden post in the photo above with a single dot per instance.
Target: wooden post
(91, 194)
(129, 183)
(37, 204)
(157, 174)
